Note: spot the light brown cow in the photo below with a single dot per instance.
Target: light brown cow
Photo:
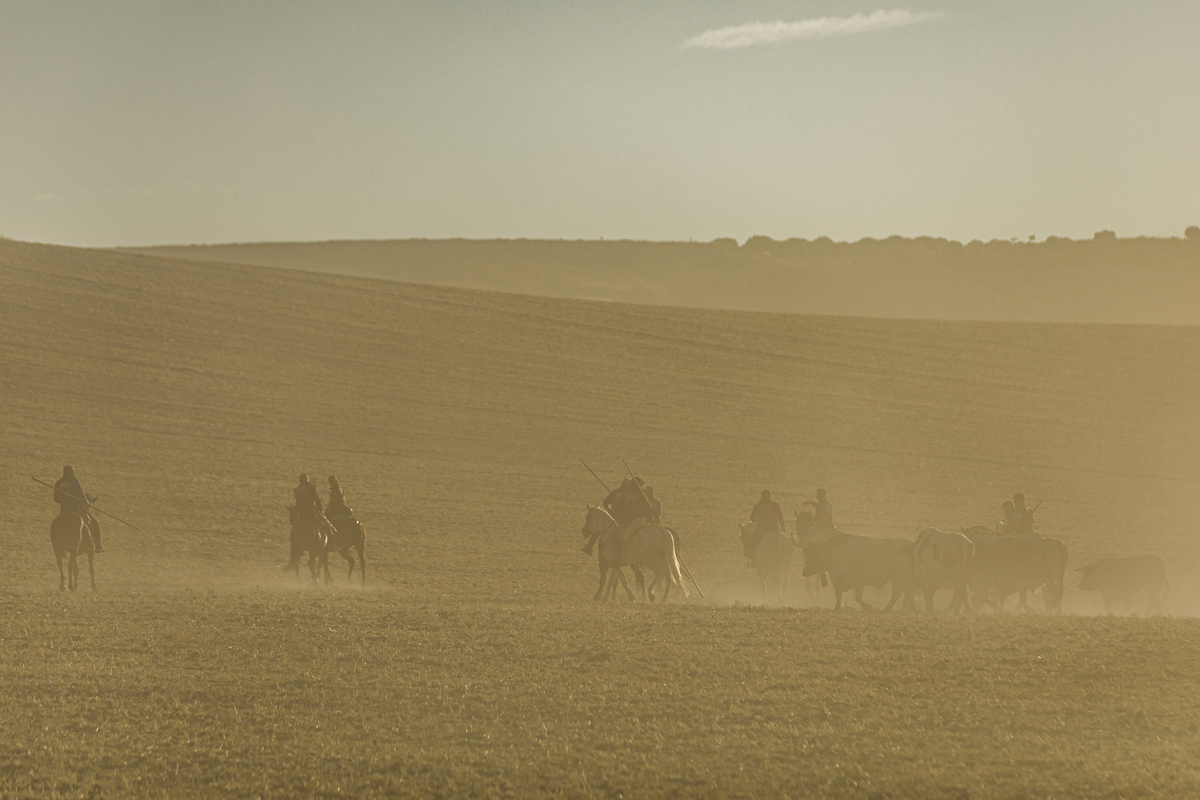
(855, 562)
(1019, 565)
(1119, 579)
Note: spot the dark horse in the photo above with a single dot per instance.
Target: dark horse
(308, 534)
(70, 536)
(349, 532)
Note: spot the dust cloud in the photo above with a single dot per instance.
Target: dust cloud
(189, 394)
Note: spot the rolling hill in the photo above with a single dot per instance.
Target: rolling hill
(1102, 280)
(190, 394)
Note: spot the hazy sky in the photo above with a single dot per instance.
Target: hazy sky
(178, 122)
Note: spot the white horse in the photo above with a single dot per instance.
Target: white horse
(651, 546)
(772, 558)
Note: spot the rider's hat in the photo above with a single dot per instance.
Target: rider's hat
(1018, 498)
(766, 493)
(333, 478)
(304, 477)
(68, 470)
(820, 492)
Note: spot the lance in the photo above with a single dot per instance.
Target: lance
(87, 503)
(682, 563)
(594, 475)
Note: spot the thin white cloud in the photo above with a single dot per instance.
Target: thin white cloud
(759, 33)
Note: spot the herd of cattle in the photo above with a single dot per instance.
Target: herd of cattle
(991, 565)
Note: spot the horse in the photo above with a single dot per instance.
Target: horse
(309, 534)
(605, 566)
(70, 536)
(651, 546)
(349, 532)
(772, 558)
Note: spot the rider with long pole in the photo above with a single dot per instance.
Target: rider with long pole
(682, 563)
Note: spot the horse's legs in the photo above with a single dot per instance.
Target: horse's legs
(603, 584)
(610, 589)
(624, 582)
(640, 578)
(92, 569)
(62, 578)
(361, 546)
(73, 573)
(325, 566)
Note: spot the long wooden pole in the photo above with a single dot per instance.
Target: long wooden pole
(594, 475)
(682, 563)
(88, 504)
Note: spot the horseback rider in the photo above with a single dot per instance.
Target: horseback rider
(337, 501)
(655, 506)
(68, 493)
(616, 500)
(1022, 520)
(640, 504)
(822, 512)
(308, 502)
(1005, 526)
(768, 517)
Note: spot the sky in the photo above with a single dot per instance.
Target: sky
(140, 123)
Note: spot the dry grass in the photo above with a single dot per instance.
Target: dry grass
(189, 396)
(363, 694)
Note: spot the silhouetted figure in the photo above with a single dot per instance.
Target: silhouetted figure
(768, 518)
(1022, 520)
(655, 506)
(308, 502)
(68, 493)
(617, 499)
(822, 512)
(337, 501)
(1005, 525)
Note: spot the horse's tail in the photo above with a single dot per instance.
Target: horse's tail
(672, 559)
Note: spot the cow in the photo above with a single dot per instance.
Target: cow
(854, 562)
(1119, 579)
(1019, 565)
(942, 560)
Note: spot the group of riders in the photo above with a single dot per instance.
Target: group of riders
(633, 500)
(768, 516)
(71, 499)
(629, 502)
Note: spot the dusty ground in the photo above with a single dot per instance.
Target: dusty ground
(189, 396)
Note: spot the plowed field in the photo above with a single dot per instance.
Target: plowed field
(190, 395)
